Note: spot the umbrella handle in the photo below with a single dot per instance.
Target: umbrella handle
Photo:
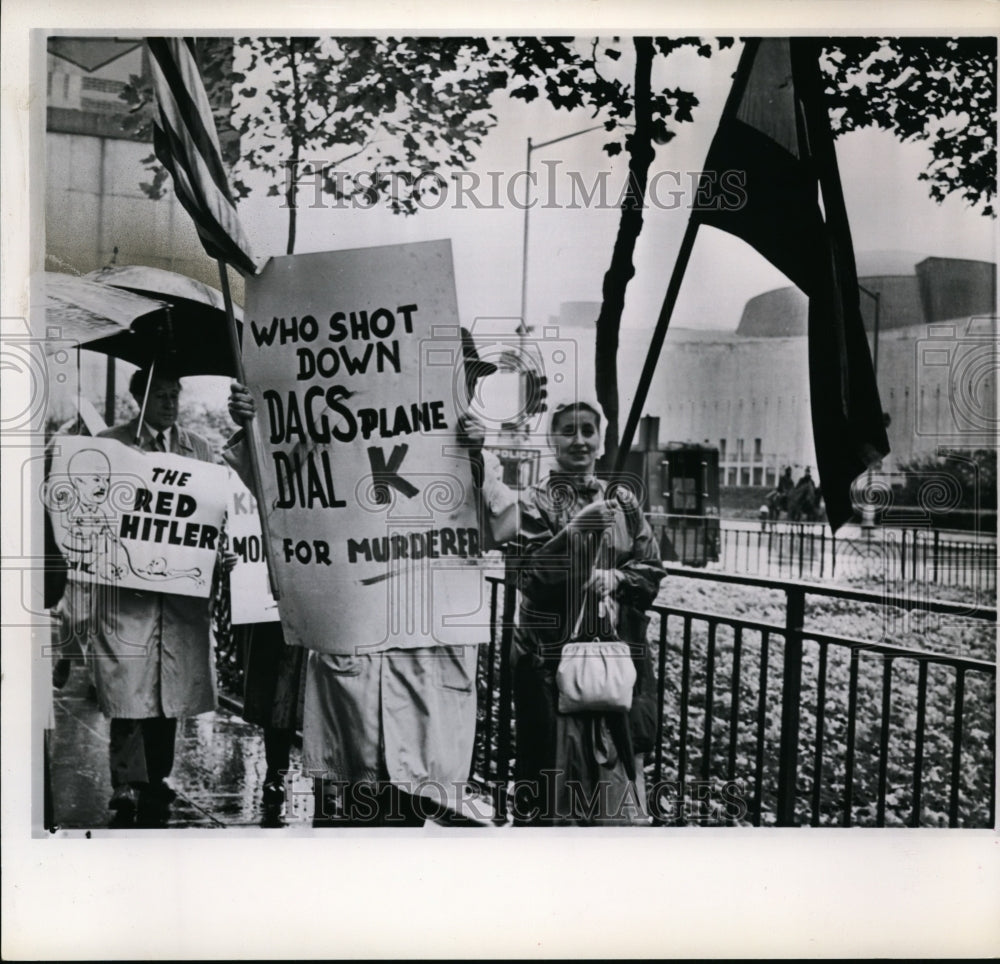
(145, 399)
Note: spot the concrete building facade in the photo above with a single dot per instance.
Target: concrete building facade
(747, 391)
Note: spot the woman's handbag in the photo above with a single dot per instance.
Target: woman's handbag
(595, 675)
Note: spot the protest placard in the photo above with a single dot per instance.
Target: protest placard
(137, 520)
(354, 360)
(250, 595)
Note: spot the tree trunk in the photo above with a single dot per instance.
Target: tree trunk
(640, 154)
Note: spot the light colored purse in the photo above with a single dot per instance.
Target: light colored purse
(595, 675)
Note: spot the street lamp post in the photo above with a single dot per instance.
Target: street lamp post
(877, 297)
(868, 511)
(530, 149)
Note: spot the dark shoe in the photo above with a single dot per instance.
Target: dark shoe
(122, 820)
(125, 801)
(153, 812)
(273, 795)
(271, 818)
(61, 669)
(162, 792)
(450, 818)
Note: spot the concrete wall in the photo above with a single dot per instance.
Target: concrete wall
(94, 204)
(748, 396)
(951, 288)
(730, 390)
(937, 382)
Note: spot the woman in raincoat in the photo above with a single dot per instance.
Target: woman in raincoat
(578, 548)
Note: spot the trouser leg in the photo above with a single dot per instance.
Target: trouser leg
(126, 752)
(159, 737)
(535, 715)
(277, 752)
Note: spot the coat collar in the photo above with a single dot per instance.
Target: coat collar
(585, 485)
(180, 441)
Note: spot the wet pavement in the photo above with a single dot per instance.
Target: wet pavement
(218, 770)
(218, 775)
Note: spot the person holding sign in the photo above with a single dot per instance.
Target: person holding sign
(273, 678)
(152, 650)
(359, 374)
(585, 557)
(385, 728)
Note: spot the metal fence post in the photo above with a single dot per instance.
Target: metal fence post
(504, 742)
(791, 691)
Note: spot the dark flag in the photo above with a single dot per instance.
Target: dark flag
(187, 145)
(776, 129)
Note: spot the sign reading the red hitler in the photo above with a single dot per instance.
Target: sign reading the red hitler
(139, 520)
(354, 360)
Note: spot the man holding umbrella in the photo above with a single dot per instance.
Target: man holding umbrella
(152, 651)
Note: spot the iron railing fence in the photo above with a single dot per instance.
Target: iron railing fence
(808, 550)
(780, 724)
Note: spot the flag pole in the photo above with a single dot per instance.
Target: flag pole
(250, 431)
(680, 266)
(656, 344)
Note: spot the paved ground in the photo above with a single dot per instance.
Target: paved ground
(218, 772)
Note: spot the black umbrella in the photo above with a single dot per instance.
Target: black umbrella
(84, 311)
(190, 336)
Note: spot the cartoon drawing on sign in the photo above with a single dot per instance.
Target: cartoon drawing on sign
(157, 569)
(90, 535)
(91, 543)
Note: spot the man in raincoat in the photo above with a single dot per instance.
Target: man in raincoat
(151, 651)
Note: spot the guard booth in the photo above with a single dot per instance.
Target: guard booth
(681, 488)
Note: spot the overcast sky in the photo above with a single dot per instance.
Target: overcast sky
(569, 248)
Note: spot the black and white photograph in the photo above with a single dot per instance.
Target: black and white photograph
(560, 443)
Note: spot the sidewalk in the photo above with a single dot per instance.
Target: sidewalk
(218, 773)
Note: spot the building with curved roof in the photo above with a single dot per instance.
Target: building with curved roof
(747, 391)
(910, 288)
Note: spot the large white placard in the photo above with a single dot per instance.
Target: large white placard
(354, 359)
(250, 594)
(139, 520)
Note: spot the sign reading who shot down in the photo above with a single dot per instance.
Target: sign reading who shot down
(354, 361)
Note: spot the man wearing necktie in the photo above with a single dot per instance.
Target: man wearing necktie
(152, 654)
